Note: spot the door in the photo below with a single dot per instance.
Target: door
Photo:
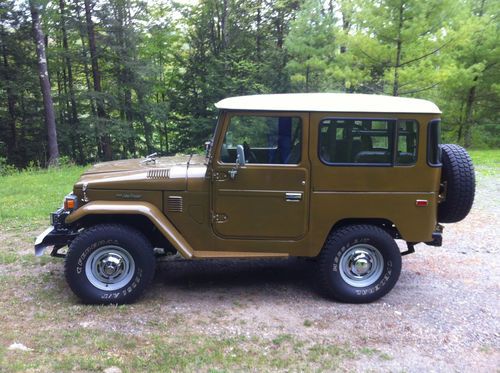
(267, 195)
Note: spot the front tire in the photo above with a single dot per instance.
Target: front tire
(109, 263)
(359, 264)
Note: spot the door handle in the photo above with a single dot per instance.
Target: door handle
(293, 197)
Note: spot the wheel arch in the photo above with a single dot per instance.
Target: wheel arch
(139, 222)
(385, 224)
(141, 215)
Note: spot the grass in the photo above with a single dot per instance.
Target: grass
(95, 350)
(486, 162)
(27, 197)
(489, 157)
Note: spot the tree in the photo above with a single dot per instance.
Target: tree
(471, 88)
(312, 47)
(43, 73)
(399, 39)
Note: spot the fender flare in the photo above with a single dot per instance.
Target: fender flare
(146, 209)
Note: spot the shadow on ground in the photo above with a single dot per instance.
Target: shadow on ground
(216, 275)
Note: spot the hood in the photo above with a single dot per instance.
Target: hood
(166, 173)
(139, 164)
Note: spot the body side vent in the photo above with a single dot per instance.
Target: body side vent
(158, 173)
(175, 204)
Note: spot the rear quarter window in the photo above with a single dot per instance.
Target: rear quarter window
(433, 143)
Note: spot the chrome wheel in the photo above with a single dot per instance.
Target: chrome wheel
(110, 268)
(361, 265)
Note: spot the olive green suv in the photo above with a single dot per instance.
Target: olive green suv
(334, 177)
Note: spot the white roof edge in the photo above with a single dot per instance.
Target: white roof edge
(330, 102)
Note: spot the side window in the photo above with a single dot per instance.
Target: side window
(357, 141)
(433, 142)
(265, 139)
(407, 142)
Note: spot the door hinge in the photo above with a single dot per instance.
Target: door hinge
(219, 218)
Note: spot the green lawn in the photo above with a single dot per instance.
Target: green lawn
(486, 162)
(27, 197)
(490, 157)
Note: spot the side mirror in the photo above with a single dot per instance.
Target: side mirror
(240, 161)
(240, 156)
(208, 145)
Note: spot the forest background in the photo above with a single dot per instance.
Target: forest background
(89, 80)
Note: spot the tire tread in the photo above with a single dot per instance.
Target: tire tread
(334, 240)
(458, 172)
(122, 231)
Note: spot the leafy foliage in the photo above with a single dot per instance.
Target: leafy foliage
(162, 65)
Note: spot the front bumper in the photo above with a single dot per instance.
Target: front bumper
(57, 235)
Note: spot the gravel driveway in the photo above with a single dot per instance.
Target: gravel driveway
(441, 316)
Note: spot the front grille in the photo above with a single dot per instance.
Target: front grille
(158, 173)
(174, 204)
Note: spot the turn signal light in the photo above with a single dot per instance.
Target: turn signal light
(70, 202)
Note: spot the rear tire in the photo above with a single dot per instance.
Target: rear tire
(458, 174)
(359, 264)
(109, 263)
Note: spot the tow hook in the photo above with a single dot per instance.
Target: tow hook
(437, 236)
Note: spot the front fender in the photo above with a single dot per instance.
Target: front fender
(136, 208)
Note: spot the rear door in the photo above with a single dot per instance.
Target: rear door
(268, 197)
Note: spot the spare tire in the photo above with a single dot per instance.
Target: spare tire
(459, 181)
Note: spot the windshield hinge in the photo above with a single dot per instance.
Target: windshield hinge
(219, 176)
(219, 218)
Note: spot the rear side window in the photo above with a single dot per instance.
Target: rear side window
(433, 143)
(357, 141)
(407, 142)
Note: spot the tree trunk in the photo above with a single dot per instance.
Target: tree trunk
(346, 12)
(224, 32)
(43, 73)
(258, 36)
(308, 72)
(469, 121)
(129, 116)
(148, 131)
(399, 47)
(105, 139)
(73, 109)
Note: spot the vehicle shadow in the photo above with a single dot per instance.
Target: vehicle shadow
(215, 275)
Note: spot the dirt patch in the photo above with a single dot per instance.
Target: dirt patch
(266, 314)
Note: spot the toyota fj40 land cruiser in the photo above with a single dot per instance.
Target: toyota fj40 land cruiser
(336, 177)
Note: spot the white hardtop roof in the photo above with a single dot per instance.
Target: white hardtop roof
(329, 102)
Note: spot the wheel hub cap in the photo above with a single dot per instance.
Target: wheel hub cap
(110, 268)
(361, 265)
(111, 265)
